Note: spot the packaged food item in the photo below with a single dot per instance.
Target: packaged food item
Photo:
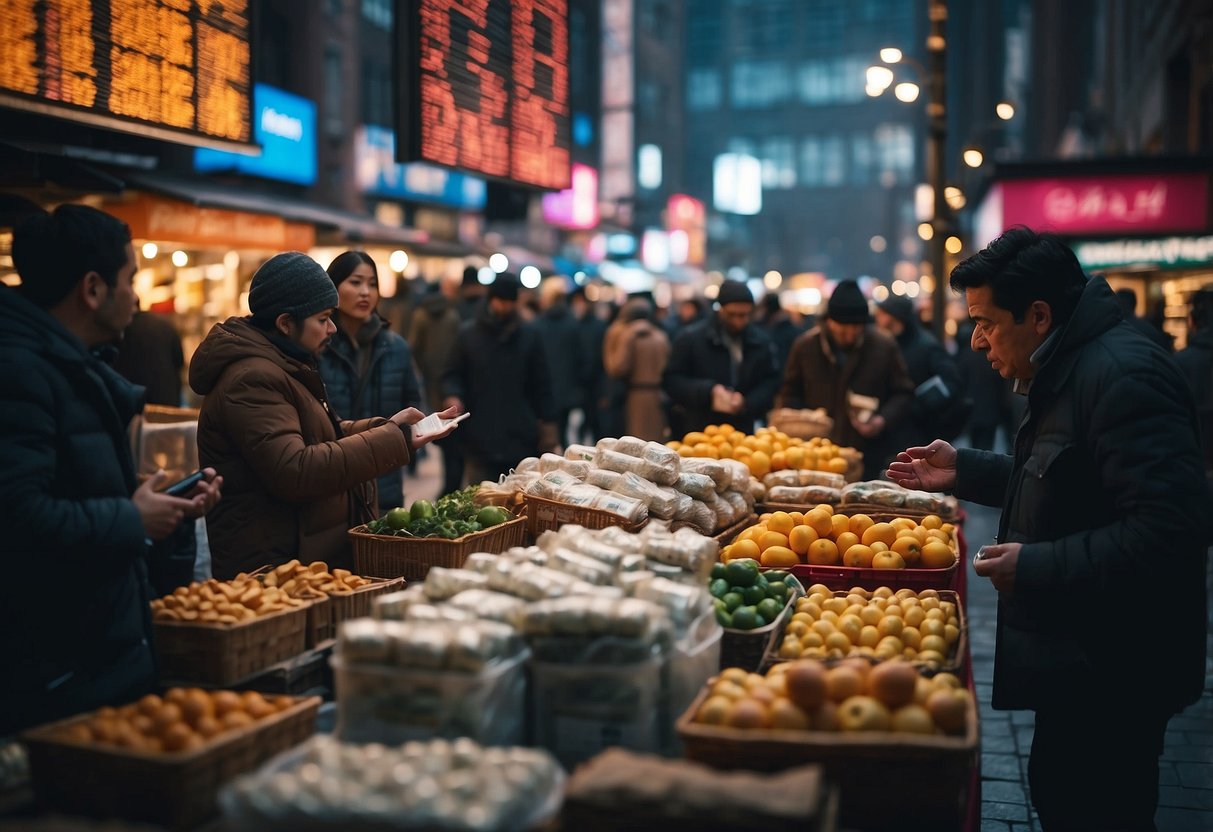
(803, 477)
(584, 452)
(527, 465)
(804, 495)
(662, 502)
(495, 606)
(721, 474)
(664, 462)
(629, 508)
(442, 583)
(629, 445)
(623, 617)
(604, 479)
(586, 568)
(395, 606)
(698, 486)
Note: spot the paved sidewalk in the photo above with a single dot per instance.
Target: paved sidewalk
(1186, 767)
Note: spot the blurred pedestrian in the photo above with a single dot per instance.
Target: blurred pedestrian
(940, 408)
(1105, 485)
(637, 354)
(367, 368)
(562, 343)
(298, 477)
(1128, 305)
(150, 355)
(71, 507)
(471, 295)
(591, 329)
(499, 374)
(1196, 363)
(856, 372)
(435, 330)
(689, 311)
(779, 327)
(722, 369)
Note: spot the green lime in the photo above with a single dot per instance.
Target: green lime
(776, 576)
(491, 516)
(761, 581)
(733, 600)
(742, 572)
(720, 604)
(724, 618)
(718, 570)
(745, 618)
(779, 591)
(718, 587)
(753, 594)
(421, 508)
(397, 518)
(769, 608)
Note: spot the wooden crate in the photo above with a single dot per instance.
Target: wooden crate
(412, 557)
(544, 515)
(223, 654)
(746, 648)
(885, 779)
(176, 789)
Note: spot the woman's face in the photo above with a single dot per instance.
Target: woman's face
(358, 294)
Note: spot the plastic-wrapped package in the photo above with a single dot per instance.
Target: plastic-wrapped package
(395, 606)
(758, 491)
(684, 604)
(579, 468)
(686, 504)
(612, 460)
(527, 465)
(552, 484)
(665, 460)
(604, 479)
(438, 612)
(662, 501)
(740, 479)
(550, 462)
(629, 508)
(629, 445)
(533, 583)
(366, 640)
(588, 544)
(494, 606)
(699, 486)
(624, 617)
(741, 506)
(605, 443)
(721, 474)
(803, 495)
(684, 549)
(586, 568)
(701, 518)
(723, 511)
(585, 452)
(874, 491)
(442, 583)
(617, 537)
(480, 562)
(802, 477)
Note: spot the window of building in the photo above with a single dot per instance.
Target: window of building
(810, 161)
(861, 159)
(833, 161)
(333, 91)
(376, 93)
(778, 158)
(894, 151)
(378, 13)
(824, 24)
(831, 81)
(758, 84)
(649, 99)
(654, 18)
(703, 89)
(703, 32)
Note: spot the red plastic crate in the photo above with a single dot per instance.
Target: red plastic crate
(845, 577)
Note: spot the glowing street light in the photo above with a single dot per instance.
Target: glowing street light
(399, 261)
(890, 55)
(973, 157)
(180, 258)
(150, 250)
(906, 91)
(499, 262)
(1005, 110)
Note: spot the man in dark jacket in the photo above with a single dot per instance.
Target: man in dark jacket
(70, 507)
(843, 363)
(779, 328)
(722, 369)
(1196, 363)
(940, 408)
(567, 365)
(1105, 492)
(591, 330)
(499, 374)
(433, 336)
(150, 355)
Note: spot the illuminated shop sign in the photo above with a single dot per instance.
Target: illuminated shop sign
(575, 207)
(175, 70)
(285, 127)
(491, 87)
(379, 174)
(1165, 252)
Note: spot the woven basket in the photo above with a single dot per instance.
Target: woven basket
(884, 779)
(412, 557)
(358, 604)
(746, 648)
(544, 515)
(803, 424)
(173, 789)
(321, 625)
(223, 654)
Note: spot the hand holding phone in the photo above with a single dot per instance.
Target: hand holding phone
(186, 485)
(435, 424)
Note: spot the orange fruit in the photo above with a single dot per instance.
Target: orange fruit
(837, 465)
(900, 523)
(860, 523)
(800, 539)
(937, 555)
(760, 464)
(780, 522)
(778, 461)
(741, 453)
(823, 552)
(819, 521)
(879, 546)
(931, 521)
(908, 548)
(826, 507)
(888, 560)
(795, 457)
(845, 541)
(840, 524)
(858, 555)
(744, 549)
(779, 556)
(797, 517)
(772, 539)
(884, 533)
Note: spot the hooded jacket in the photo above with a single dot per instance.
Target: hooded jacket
(69, 521)
(295, 478)
(1107, 494)
(383, 386)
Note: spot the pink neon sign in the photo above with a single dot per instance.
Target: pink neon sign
(1165, 202)
(576, 207)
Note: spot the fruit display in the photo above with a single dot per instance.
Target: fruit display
(879, 624)
(184, 719)
(452, 516)
(313, 580)
(243, 598)
(765, 450)
(746, 598)
(805, 695)
(783, 539)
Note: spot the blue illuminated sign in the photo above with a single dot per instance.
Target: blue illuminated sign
(285, 127)
(379, 174)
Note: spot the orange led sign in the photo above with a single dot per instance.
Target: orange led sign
(484, 87)
(169, 68)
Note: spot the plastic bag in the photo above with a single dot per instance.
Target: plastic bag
(604, 479)
(699, 486)
(809, 494)
(721, 474)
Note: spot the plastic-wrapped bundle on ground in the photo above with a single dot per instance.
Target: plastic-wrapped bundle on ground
(604, 479)
(721, 474)
(684, 549)
(627, 618)
(584, 452)
(581, 566)
(395, 606)
(800, 478)
(442, 583)
(662, 501)
(684, 604)
(457, 785)
(495, 606)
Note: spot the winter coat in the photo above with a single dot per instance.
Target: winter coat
(295, 478)
(567, 365)
(813, 378)
(638, 357)
(84, 639)
(388, 385)
(432, 338)
(591, 330)
(931, 417)
(1107, 494)
(499, 371)
(150, 355)
(1196, 363)
(699, 360)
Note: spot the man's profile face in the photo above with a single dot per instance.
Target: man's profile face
(888, 323)
(118, 306)
(313, 332)
(845, 336)
(734, 317)
(1008, 345)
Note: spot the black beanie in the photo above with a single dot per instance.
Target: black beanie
(734, 291)
(847, 305)
(290, 282)
(471, 276)
(900, 307)
(504, 287)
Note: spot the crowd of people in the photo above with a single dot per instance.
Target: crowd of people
(311, 407)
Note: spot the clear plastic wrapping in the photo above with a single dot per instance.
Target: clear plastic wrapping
(699, 486)
(585, 452)
(442, 583)
(581, 566)
(721, 474)
(527, 465)
(628, 618)
(494, 606)
(395, 606)
(803, 495)
(684, 604)
(803, 477)
(604, 479)
(662, 501)
(550, 462)
(630, 445)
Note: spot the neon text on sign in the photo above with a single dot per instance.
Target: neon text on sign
(165, 63)
(1164, 203)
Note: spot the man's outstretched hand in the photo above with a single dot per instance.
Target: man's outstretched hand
(932, 468)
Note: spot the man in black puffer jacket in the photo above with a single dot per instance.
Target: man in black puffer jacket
(74, 520)
(1105, 512)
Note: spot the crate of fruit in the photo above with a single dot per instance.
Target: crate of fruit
(406, 543)
(162, 760)
(898, 745)
(926, 627)
(753, 607)
(221, 632)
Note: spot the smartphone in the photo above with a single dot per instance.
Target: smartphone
(433, 424)
(182, 487)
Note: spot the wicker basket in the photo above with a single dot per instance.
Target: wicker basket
(412, 557)
(358, 604)
(803, 424)
(321, 624)
(219, 654)
(746, 648)
(884, 779)
(544, 515)
(173, 789)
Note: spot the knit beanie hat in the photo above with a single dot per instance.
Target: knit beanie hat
(504, 287)
(900, 307)
(847, 305)
(734, 291)
(290, 282)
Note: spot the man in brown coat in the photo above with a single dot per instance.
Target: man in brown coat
(636, 351)
(843, 364)
(297, 478)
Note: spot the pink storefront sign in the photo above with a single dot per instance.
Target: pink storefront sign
(1165, 202)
